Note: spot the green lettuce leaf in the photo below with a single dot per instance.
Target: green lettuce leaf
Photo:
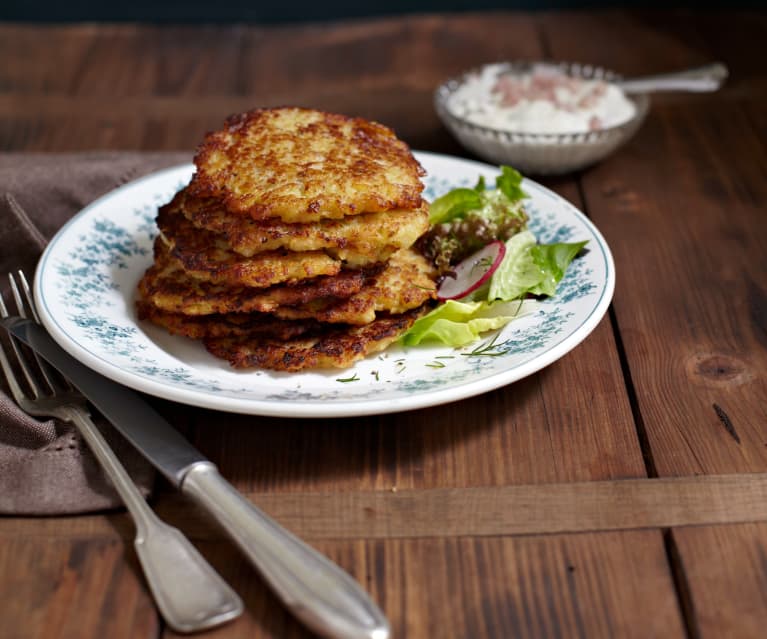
(458, 323)
(553, 260)
(454, 204)
(509, 182)
(518, 272)
(530, 268)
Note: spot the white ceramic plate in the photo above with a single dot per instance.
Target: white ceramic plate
(85, 290)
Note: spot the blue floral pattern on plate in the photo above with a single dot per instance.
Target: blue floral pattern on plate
(85, 288)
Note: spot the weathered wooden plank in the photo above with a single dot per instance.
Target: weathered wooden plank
(145, 60)
(514, 510)
(73, 588)
(726, 572)
(175, 123)
(702, 235)
(739, 46)
(455, 512)
(625, 41)
(39, 62)
(411, 51)
(606, 585)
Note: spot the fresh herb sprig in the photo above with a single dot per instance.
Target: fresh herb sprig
(489, 349)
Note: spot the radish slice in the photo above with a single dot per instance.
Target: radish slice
(472, 272)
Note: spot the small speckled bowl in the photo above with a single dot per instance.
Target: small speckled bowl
(540, 153)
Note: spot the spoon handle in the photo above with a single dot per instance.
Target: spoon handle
(702, 79)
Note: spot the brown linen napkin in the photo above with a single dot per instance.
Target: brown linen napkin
(45, 467)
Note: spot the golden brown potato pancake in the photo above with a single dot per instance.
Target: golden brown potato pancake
(206, 256)
(351, 297)
(302, 165)
(334, 347)
(405, 283)
(225, 325)
(357, 239)
(166, 286)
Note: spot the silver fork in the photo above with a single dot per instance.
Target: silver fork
(189, 593)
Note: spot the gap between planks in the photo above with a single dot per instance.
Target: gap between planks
(456, 512)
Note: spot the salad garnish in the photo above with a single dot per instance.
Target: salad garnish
(473, 272)
(493, 268)
(465, 220)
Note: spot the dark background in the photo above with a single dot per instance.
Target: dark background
(271, 11)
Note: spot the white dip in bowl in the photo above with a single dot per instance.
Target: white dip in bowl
(542, 99)
(540, 117)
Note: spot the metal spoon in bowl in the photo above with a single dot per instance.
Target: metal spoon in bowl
(699, 80)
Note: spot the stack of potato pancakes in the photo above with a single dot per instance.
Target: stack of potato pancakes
(291, 246)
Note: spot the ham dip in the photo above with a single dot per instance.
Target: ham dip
(542, 99)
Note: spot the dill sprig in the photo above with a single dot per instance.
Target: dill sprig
(488, 349)
(353, 378)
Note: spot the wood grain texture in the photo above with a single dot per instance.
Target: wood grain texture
(707, 300)
(73, 589)
(516, 510)
(607, 585)
(726, 571)
(131, 87)
(597, 585)
(458, 512)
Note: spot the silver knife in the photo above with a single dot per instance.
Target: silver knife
(313, 588)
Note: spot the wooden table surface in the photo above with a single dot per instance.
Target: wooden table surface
(620, 492)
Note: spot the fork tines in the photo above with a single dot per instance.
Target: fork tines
(45, 373)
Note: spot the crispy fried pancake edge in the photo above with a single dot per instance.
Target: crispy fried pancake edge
(356, 239)
(168, 287)
(336, 348)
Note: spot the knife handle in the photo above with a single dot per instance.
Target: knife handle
(312, 587)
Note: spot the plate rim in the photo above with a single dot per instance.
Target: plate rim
(318, 408)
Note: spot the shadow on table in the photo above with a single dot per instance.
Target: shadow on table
(432, 447)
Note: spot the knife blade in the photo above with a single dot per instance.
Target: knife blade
(324, 597)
